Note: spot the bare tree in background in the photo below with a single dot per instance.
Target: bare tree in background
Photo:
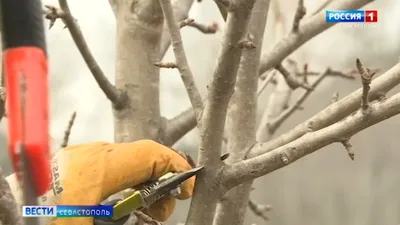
(227, 114)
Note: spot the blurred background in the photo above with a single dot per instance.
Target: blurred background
(323, 188)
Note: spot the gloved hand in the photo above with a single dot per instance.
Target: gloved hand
(86, 174)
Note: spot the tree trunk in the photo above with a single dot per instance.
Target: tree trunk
(139, 29)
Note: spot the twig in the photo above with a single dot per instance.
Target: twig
(181, 10)
(305, 71)
(185, 22)
(334, 73)
(265, 82)
(366, 78)
(168, 65)
(274, 125)
(300, 13)
(68, 130)
(290, 79)
(335, 97)
(181, 60)
(260, 210)
(349, 148)
(206, 29)
(117, 97)
(9, 212)
(145, 218)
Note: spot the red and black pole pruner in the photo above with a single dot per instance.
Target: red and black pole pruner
(26, 70)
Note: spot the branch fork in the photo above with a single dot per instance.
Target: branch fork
(290, 79)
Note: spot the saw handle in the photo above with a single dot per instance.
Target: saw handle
(109, 221)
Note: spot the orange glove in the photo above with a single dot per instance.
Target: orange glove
(94, 171)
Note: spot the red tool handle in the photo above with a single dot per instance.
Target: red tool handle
(30, 127)
(25, 62)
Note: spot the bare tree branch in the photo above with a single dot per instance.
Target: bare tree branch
(167, 65)
(259, 209)
(180, 125)
(181, 60)
(181, 12)
(220, 90)
(265, 82)
(241, 119)
(309, 143)
(185, 22)
(206, 29)
(335, 111)
(9, 212)
(113, 94)
(68, 130)
(300, 13)
(276, 122)
(308, 29)
(291, 79)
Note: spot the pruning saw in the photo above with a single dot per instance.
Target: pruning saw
(167, 185)
(26, 75)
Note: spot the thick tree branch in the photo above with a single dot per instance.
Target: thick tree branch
(181, 60)
(113, 94)
(214, 115)
(335, 111)
(9, 212)
(309, 143)
(242, 114)
(308, 29)
(178, 126)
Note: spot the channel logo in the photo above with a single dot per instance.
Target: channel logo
(352, 16)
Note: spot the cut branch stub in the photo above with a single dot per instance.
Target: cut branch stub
(52, 14)
(349, 148)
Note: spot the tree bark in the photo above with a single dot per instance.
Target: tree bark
(139, 30)
(242, 116)
(206, 195)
